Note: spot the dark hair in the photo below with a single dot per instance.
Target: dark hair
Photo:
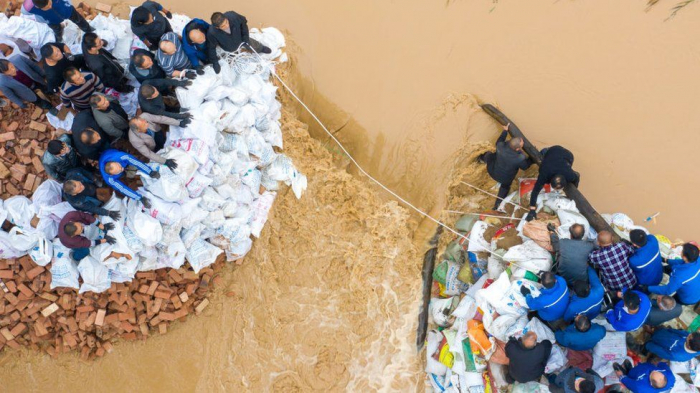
(90, 40)
(581, 288)
(139, 59)
(548, 280)
(41, 3)
(694, 342)
(69, 186)
(69, 72)
(46, 50)
(95, 100)
(147, 91)
(4, 65)
(140, 15)
(558, 181)
(586, 386)
(71, 229)
(217, 19)
(631, 300)
(54, 147)
(583, 324)
(577, 231)
(638, 237)
(690, 252)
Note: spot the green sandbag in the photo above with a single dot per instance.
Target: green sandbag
(468, 355)
(440, 272)
(466, 222)
(531, 276)
(454, 252)
(465, 274)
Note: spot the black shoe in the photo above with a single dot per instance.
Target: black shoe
(480, 159)
(627, 365)
(265, 50)
(617, 367)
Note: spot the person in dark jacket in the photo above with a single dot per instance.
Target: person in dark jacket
(53, 13)
(587, 298)
(56, 59)
(504, 164)
(144, 67)
(103, 64)
(229, 31)
(674, 345)
(646, 260)
(575, 380)
(527, 358)
(582, 335)
(109, 115)
(79, 231)
(89, 140)
(556, 169)
(149, 23)
(572, 254)
(59, 157)
(80, 190)
(646, 377)
(151, 101)
(685, 277)
(663, 309)
(552, 300)
(194, 43)
(631, 312)
(17, 83)
(113, 164)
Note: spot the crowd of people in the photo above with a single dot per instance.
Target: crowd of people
(621, 280)
(92, 160)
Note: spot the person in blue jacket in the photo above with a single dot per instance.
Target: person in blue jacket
(674, 345)
(647, 377)
(646, 260)
(53, 13)
(582, 335)
(587, 298)
(631, 312)
(552, 300)
(685, 277)
(194, 43)
(113, 163)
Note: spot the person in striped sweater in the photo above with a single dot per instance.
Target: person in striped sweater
(78, 87)
(172, 58)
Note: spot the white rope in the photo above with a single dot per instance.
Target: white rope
(482, 215)
(493, 195)
(330, 134)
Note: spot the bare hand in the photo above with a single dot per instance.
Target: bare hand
(506, 127)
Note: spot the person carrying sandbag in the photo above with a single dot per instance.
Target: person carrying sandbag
(552, 300)
(79, 231)
(113, 164)
(53, 13)
(229, 30)
(587, 298)
(146, 136)
(685, 277)
(81, 191)
(527, 358)
(646, 377)
(555, 169)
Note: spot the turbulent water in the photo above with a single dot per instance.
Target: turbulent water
(327, 300)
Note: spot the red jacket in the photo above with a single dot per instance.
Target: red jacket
(76, 241)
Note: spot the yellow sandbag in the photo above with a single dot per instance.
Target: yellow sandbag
(446, 357)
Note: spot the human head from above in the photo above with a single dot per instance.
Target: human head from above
(584, 386)
(50, 52)
(43, 4)
(690, 252)
(693, 341)
(142, 16)
(516, 144)
(142, 61)
(148, 92)
(57, 148)
(577, 231)
(99, 101)
(73, 187)
(7, 68)
(529, 339)
(113, 168)
(666, 303)
(638, 238)
(167, 47)
(631, 301)
(548, 279)
(197, 36)
(582, 288)
(138, 125)
(219, 21)
(92, 42)
(90, 137)
(73, 76)
(582, 323)
(605, 238)
(657, 379)
(6, 49)
(558, 182)
(73, 229)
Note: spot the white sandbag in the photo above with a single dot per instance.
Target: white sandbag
(201, 254)
(259, 148)
(239, 249)
(543, 331)
(194, 215)
(506, 326)
(48, 193)
(124, 272)
(197, 184)
(282, 169)
(466, 308)
(530, 387)
(186, 164)
(261, 209)
(146, 228)
(477, 243)
(169, 186)
(167, 213)
(211, 200)
(234, 229)
(20, 211)
(494, 292)
(95, 276)
(215, 219)
(440, 310)
(622, 222)
(64, 272)
(172, 255)
(561, 203)
(530, 256)
(568, 218)
(22, 240)
(7, 251)
(34, 33)
(611, 349)
(57, 123)
(194, 147)
(433, 340)
(42, 252)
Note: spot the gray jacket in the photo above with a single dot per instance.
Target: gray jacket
(144, 143)
(57, 167)
(572, 257)
(111, 122)
(16, 91)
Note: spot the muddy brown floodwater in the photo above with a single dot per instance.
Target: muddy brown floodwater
(328, 297)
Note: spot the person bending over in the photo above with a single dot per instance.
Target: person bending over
(582, 335)
(152, 102)
(79, 87)
(587, 298)
(147, 137)
(685, 277)
(572, 254)
(149, 22)
(631, 312)
(612, 260)
(674, 345)
(18, 81)
(527, 358)
(53, 13)
(81, 191)
(646, 260)
(555, 169)
(103, 64)
(59, 158)
(229, 31)
(552, 300)
(646, 377)
(113, 164)
(79, 231)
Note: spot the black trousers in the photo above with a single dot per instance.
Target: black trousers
(42, 103)
(490, 159)
(74, 17)
(159, 137)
